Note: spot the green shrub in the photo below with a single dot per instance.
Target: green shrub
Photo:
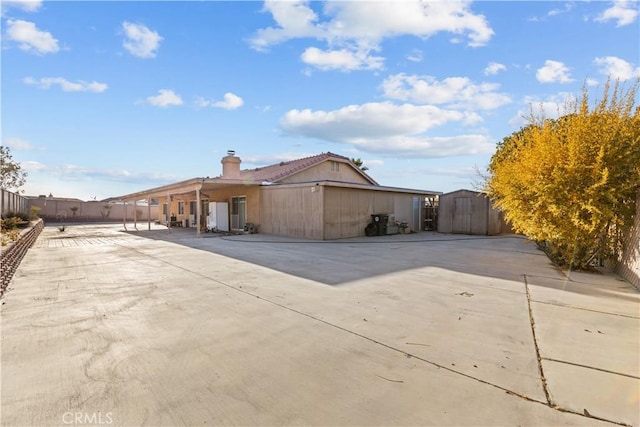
(23, 216)
(35, 210)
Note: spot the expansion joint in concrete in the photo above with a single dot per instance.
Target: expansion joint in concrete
(535, 344)
(622, 374)
(548, 401)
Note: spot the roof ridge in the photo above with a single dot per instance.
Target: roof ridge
(283, 169)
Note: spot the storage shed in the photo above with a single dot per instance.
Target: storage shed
(470, 212)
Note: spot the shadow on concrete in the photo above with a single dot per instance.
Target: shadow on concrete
(337, 262)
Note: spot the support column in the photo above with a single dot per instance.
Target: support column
(124, 216)
(149, 214)
(169, 211)
(135, 215)
(198, 211)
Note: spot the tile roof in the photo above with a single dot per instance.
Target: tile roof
(274, 173)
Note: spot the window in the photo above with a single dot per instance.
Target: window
(335, 166)
(180, 208)
(192, 207)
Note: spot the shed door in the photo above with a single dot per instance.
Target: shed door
(462, 215)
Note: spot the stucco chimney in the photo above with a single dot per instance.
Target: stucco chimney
(231, 166)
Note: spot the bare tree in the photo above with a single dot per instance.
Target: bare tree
(11, 174)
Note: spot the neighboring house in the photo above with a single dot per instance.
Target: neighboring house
(470, 212)
(319, 197)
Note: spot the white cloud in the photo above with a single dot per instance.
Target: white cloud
(231, 102)
(17, 144)
(551, 108)
(455, 91)
(616, 68)
(624, 12)
(271, 159)
(494, 68)
(374, 21)
(31, 39)
(553, 72)
(373, 163)
(387, 128)
(66, 85)
(341, 59)
(71, 172)
(26, 5)
(140, 41)
(31, 165)
(558, 11)
(165, 98)
(294, 18)
(416, 55)
(354, 29)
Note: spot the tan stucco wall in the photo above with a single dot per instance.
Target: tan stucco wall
(91, 210)
(252, 193)
(322, 171)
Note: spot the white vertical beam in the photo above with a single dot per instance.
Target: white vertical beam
(149, 213)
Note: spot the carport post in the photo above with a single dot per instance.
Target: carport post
(149, 213)
(124, 215)
(169, 211)
(198, 213)
(135, 214)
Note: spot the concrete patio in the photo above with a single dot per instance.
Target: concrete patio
(160, 327)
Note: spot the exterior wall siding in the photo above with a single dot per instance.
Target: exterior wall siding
(322, 171)
(294, 211)
(469, 212)
(347, 211)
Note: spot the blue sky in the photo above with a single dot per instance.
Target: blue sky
(101, 99)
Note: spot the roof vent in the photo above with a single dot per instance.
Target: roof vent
(231, 152)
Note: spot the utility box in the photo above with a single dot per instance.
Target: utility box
(218, 219)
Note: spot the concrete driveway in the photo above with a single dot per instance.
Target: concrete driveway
(159, 327)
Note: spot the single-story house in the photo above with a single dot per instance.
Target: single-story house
(321, 197)
(470, 212)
